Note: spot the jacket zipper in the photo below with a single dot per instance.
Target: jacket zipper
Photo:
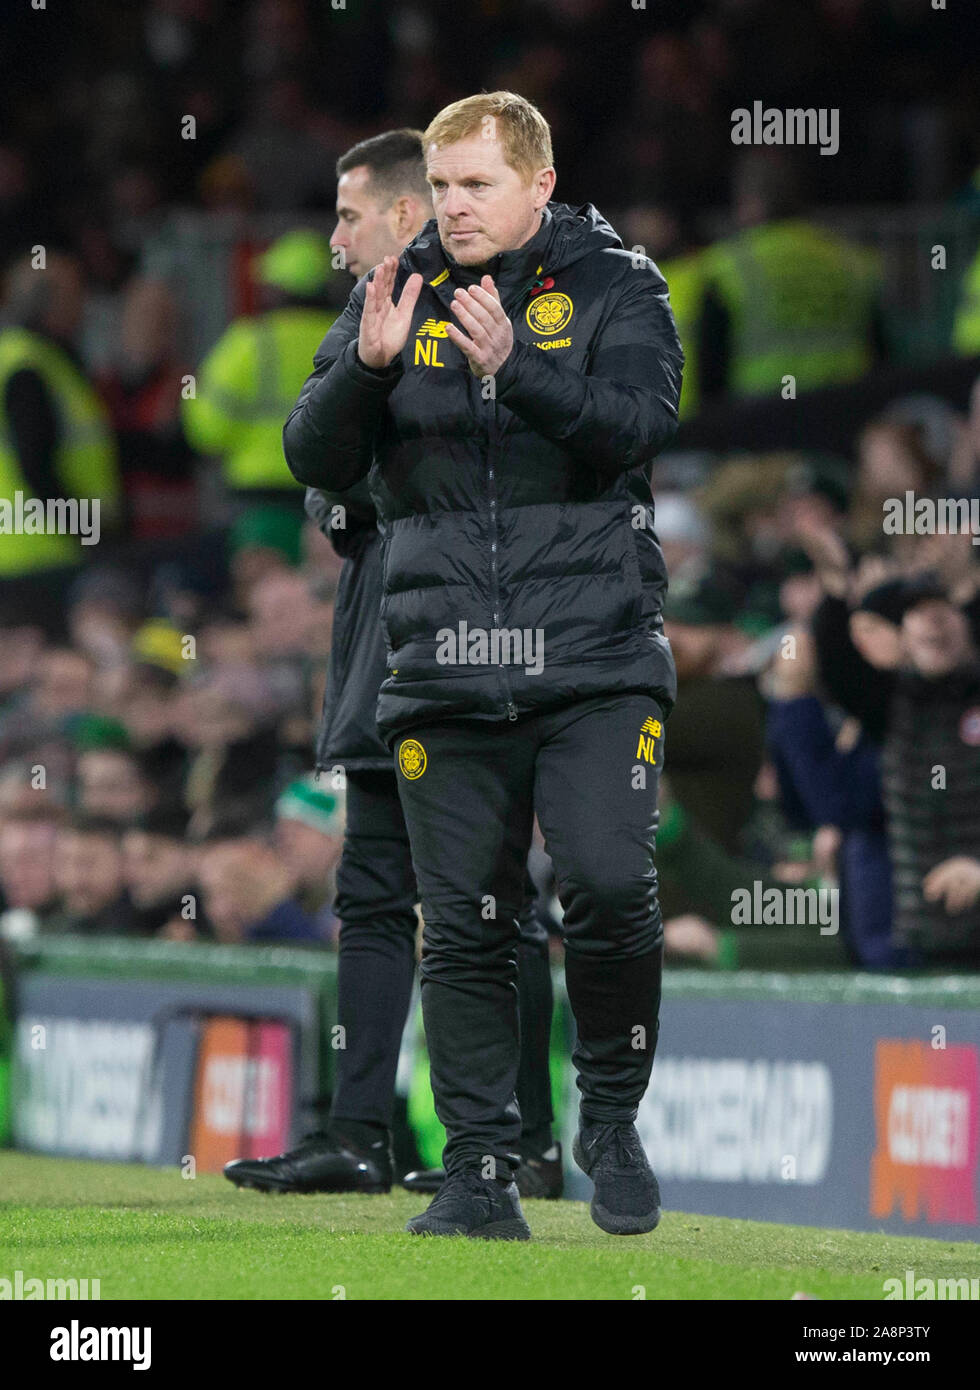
(494, 539)
(494, 532)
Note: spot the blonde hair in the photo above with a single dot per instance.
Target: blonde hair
(523, 132)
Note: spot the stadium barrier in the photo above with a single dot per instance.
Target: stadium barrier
(820, 1100)
(154, 1052)
(814, 1099)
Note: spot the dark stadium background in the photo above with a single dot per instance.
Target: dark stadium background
(166, 231)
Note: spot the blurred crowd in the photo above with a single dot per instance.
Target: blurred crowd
(158, 703)
(827, 727)
(154, 112)
(155, 768)
(639, 98)
(156, 771)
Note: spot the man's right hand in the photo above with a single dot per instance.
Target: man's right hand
(384, 324)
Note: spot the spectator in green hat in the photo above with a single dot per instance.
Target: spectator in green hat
(265, 539)
(248, 382)
(310, 836)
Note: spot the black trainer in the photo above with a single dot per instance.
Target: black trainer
(626, 1200)
(319, 1163)
(540, 1175)
(468, 1205)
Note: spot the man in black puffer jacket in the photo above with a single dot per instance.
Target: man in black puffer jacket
(382, 202)
(504, 387)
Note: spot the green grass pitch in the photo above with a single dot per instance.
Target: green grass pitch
(150, 1233)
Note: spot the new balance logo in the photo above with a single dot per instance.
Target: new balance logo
(427, 352)
(650, 731)
(433, 328)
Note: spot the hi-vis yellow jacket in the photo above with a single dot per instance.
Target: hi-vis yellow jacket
(800, 301)
(86, 462)
(246, 386)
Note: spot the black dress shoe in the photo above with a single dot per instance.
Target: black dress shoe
(319, 1163)
(540, 1175)
(470, 1205)
(424, 1179)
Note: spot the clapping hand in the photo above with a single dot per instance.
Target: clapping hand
(384, 324)
(491, 335)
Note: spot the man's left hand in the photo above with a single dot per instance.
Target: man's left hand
(491, 336)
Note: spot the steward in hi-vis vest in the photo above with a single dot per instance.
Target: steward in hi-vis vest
(685, 276)
(56, 445)
(799, 301)
(966, 325)
(249, 380)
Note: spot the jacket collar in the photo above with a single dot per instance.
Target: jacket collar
(511, 270)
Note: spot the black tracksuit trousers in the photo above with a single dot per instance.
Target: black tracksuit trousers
(376, 897)
(590, 772)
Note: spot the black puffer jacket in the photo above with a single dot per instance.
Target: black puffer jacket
(523, 505)
(348, 735)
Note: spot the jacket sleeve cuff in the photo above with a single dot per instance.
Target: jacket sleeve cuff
(508, 376)
(373, 378)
